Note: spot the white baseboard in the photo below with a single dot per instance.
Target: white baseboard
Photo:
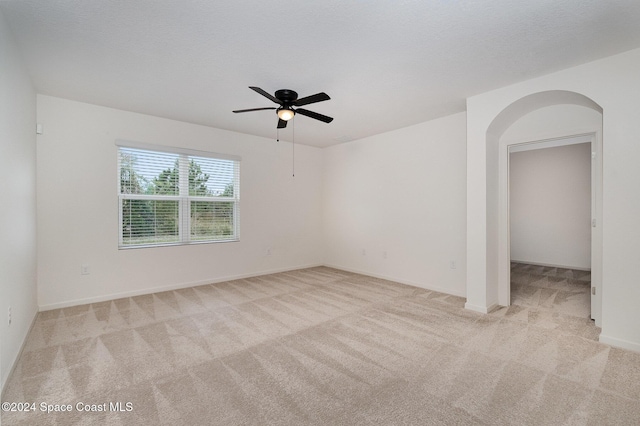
(550, 265)
(178, 286)
(619, 343)
(14, 362)
(406, 282)
(481, 309)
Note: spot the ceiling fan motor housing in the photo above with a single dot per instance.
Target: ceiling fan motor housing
(286, 96)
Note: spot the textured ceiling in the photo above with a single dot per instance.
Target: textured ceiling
(386, 64)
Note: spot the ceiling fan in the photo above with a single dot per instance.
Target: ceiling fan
(287, 99)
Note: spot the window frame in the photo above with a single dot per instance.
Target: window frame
(183, 198)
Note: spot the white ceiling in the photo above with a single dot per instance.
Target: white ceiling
(386, 64)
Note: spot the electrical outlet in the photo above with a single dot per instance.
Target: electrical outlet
(364, 252)
(9, 315)
(453, 264)
(84, 270)
(268, 251)
(384, 254)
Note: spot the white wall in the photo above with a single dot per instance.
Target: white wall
(555, 121)
(78, 213)
(550, 206)
(400, 197)
(613, 84)
(18, 195)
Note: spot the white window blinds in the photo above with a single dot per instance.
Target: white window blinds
(176, 197)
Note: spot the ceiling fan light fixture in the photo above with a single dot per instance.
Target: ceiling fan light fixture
(285, 114)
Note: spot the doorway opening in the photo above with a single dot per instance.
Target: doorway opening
(552, 200)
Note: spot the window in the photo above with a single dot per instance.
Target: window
(174, 196)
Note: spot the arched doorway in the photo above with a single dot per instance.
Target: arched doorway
(497, 216)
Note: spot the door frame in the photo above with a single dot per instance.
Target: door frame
(595, 139)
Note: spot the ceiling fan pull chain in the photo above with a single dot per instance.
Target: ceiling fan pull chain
(293, 149)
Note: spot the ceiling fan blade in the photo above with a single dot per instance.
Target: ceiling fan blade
(281, 124)
(253, 109)
(318, 97)
(315, 115)
(266, 95)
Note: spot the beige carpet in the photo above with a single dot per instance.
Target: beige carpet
(549, 289)
(323, 347)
